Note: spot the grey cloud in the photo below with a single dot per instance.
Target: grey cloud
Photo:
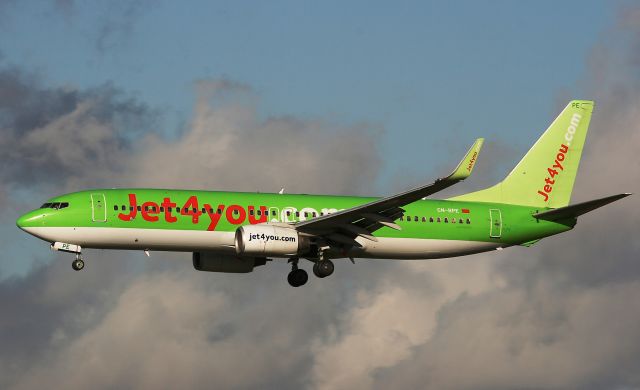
(561, 314)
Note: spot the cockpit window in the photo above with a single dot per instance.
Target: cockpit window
(55, 205)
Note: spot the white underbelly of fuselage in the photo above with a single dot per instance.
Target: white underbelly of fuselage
(193, 241)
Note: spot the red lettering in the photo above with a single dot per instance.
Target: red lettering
(545, 196)
(563, 148)
(552, 172)
(549, 181)
(559, 157)
(262, 218)
(168, 205)
(213, 214)
(133, 204)
(558, 165)
(191, 208)
(149, 209)
(548, 188)
(231, 214)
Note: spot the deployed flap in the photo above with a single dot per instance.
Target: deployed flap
(575, 210)
(381, 209)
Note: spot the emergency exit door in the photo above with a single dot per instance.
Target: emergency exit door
(495, 230)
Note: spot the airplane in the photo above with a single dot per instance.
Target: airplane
(235, 232)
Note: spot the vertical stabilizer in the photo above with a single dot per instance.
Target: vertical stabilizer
(546, 174)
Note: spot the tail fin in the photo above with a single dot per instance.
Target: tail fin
(545, 175)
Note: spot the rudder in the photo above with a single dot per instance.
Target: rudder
(546, 174)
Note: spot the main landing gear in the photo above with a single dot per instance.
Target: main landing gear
(78, 263)
(323, 268)
(298, 277)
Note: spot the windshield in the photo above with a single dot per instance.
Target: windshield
(55, 205)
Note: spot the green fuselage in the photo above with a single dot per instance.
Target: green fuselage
(223, 212)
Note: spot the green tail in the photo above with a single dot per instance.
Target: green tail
(545, 175)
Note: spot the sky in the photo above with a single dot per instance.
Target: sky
(332, 97)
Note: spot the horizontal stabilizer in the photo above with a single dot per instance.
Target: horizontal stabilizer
(575, 210)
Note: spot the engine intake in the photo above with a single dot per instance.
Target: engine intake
(270, 240)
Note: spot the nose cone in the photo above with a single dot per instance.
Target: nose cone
(30, 220)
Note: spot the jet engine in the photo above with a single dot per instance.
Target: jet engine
(270, 240)
(216, 262)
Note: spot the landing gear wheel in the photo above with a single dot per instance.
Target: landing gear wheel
(77, 264)
(297, 277)
(323, 268)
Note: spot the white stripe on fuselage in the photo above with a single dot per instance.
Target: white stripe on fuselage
(195, 240)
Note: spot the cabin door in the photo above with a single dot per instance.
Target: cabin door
(495, 231)
(98, 208)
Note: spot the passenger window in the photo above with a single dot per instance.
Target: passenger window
(115, 207)
(251, 212)
(236, 211)
(424, 219)
(446, 220)
(204, 210)
(130, 208)
(64, 204)
(195, 210)
(219, 211)
(415, 219)
(169, 209)
(460, 220)
(273, 212)
(468, 221)
(47, 205)
(438, 219)
(259, 213)
(430, 219)
(139, 208)
(306, 214)
(177, 209)
(314, 214)
(297, 214)
(162, 209)
(288, 213)
(123, 208)
(453, 220)
(408, 219)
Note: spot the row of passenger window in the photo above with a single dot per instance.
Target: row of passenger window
(56, 205)
(438, 219)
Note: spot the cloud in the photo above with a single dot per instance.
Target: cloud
(561, 314)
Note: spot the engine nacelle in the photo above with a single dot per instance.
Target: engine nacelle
(270, 240)
(216, 262)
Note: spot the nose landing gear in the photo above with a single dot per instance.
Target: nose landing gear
(78, 263)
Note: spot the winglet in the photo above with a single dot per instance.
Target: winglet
(464, 169)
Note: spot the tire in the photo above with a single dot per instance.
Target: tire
(77, 265)
(323, 268)
(298, 277)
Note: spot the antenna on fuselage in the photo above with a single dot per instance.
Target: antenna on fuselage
(281, 191)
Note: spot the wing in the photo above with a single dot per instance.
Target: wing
(344, 226)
